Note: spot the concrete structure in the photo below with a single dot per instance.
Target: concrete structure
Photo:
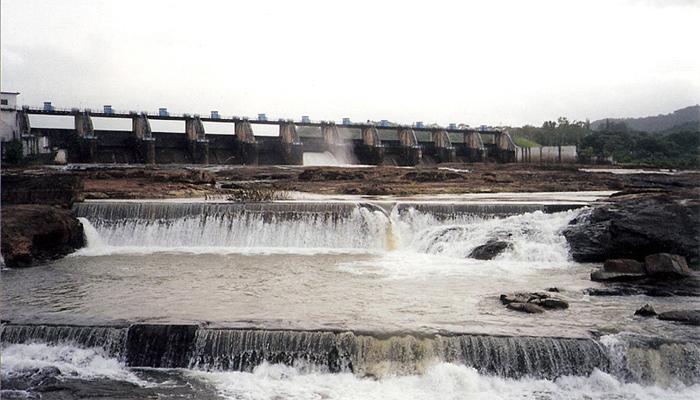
(290, 146)
(15, 126)
(143, 142)
(474, 149)
(8, 116)
(505, 148)
(246, 147)
(363, 142)
(411, 152)
(444, 151)
(196, 138)
(370, 150)
(547, 154)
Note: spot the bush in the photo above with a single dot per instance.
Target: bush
(13, 152)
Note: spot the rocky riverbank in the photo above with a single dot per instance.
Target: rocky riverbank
(34, 233)
(163, 181)
(635, 225)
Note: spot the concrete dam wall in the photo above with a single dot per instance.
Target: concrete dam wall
(353, 143)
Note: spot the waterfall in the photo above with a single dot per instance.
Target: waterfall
(451, 230)
(230, 227)
(635, 359)
(320, 159)
(111, 340)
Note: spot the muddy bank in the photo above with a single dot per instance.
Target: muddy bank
(158, 182)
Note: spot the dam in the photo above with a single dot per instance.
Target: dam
(353, 143)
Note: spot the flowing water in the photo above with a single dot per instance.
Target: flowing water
(318, 299)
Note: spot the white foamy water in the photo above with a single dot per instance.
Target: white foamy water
(324, 159)
(534, 236)
(73, 362)
(441, 381)
(363, 230)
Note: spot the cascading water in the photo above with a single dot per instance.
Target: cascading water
(320, 159)
(309, 299)
(634, 359)
(231, 227)
(198, 227)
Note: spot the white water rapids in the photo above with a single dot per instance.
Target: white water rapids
(534, 236)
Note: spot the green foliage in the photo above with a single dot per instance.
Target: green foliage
(13, 152)
(680, 148)
(553, 133)
(677, 150)
(525, 142)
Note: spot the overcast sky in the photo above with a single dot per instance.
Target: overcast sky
(479, 62)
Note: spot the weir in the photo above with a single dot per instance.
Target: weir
(638, 359)
(423, 227)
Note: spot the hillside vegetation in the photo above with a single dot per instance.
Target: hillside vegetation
(676, 146)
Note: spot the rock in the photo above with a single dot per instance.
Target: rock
(96, 195)
(646, 311)
(526, 307)
(45, 374)
(554, 304)
(634, 226)
(598, 275)
(540, 299)
(47, 188)
(690, 317)
(489, 250)
(432, 175)
(553, 289)
(666, 265)
(36, 233)
(515, 298)
(624, 265)
(615, 291)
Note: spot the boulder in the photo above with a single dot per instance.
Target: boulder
(490, 249)
(666, 265)
(526, 307)
(624, 265)
(515, 298)
(599, 275)
(552, 303)
(690, 317)
(540, 299)
(37, 233)
(636, 225)
(646, 311)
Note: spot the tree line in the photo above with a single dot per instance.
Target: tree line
(678, 147)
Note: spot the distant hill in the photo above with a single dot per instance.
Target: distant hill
(685, 118)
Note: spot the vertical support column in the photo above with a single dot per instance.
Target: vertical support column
(197, 141)
(86, 133)
(144, 142)
(411, 152)
(371, 151)
(444, 151)
(247, 149)
(30, 144)
(475, 150)
(331, 139)
(505, 147)
(292, 149)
